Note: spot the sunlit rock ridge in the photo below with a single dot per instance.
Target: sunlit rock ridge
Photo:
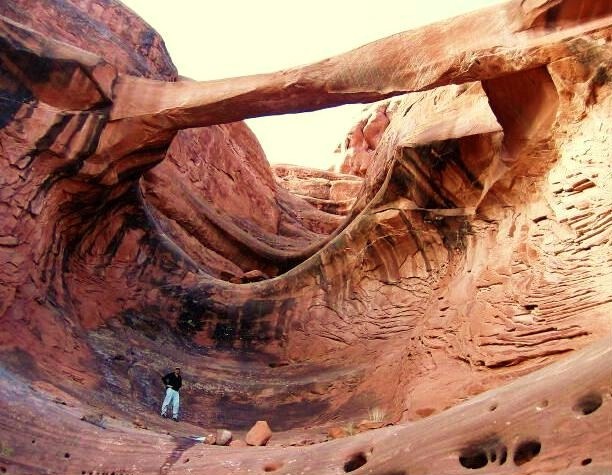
(455, 274)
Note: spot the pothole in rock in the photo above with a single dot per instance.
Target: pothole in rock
(480, 454)
(526, 451)
(588, 404)
(355, 462)
(272, 466)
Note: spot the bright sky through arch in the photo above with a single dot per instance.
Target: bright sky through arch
(221, 39)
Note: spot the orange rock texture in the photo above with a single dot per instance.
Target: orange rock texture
(455, 272)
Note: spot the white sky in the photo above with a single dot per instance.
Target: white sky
(227, 38)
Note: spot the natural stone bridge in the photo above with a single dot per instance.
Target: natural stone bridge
(457, 273)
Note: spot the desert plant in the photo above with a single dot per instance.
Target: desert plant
(349, 428)
(376, 414)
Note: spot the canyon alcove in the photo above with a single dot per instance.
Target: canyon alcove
(440, 304)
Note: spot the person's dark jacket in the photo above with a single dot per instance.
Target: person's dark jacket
(173, 380)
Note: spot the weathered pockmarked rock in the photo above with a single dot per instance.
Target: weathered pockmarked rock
(456, 274)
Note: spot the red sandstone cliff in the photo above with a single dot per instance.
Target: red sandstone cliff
(472, 249)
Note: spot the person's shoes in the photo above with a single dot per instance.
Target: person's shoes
(175, 419)
(164, 416)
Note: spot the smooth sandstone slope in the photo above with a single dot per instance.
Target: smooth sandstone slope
(476, 250)
(547, 422)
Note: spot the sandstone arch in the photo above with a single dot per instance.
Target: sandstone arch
(475, 249)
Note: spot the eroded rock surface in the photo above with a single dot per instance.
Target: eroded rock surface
(465, 255)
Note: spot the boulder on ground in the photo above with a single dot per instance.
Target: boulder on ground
(336, 432)
(224, 437)
(259, 434)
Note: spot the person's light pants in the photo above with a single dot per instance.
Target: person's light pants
(172, 397)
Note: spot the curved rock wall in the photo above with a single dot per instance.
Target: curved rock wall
(472, 248)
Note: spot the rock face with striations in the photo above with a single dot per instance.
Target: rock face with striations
(456, 273)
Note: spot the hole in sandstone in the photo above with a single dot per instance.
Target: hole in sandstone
(272, 466)
(475, 459)
(67, 455)
(543, 404)
(525, 104)
(526, 451)
(2, 470)
(356, 461)
(493, 406)
(480, 453)
(588, 404)
(586, 461)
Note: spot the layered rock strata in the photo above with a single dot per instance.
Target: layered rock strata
(472, 249)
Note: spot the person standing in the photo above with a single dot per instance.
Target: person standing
(173, 382)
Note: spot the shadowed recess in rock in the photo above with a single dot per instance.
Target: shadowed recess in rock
(440, 303)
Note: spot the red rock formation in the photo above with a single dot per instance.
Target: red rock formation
(259, 434)
(363, 139)
(474, 251)
(328, 191)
